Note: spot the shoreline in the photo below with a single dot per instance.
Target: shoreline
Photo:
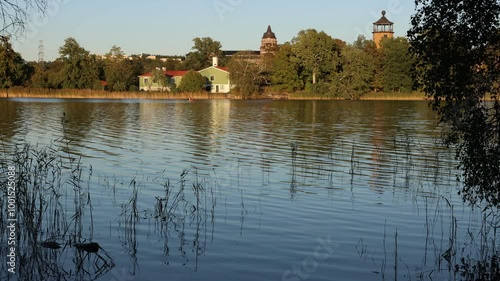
(27, 93)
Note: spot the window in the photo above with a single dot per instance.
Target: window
(385, 35)
(212, 78)
(146, 81)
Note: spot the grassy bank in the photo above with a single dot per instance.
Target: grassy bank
(92, 94)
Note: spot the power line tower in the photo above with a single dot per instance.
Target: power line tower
(41, 51)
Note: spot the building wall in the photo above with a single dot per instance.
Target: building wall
(143, 86)
(220, 79)
(268, 45)
(378, 36)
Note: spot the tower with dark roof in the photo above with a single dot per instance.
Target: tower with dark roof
(383, 28)
(269, 43)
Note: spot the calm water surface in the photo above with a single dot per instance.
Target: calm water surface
(287, 190)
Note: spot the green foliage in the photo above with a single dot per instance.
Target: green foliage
(192, 82)
(287, 70)
(118, 70)
(80, 70)
(317, 52)
(172, 86)
(13, 70)
(158, 77)
(247, 74)
(39, 78)
(357, 74)
(54, 74)
(456, 47)
(203, 51)
(397, 63)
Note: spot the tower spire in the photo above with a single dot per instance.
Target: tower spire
(269, 43)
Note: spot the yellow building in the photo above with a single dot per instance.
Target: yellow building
(383, 28)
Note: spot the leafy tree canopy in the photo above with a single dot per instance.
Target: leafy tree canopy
(357, 74)
(287, 70)
(317, 51)
(247, 74)
(203, 51)
(456, 45)
(81, 70)
(12, 66)
(396, 63)
(192, 82)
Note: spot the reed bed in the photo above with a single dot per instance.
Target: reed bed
(412, 96)
(54, 215)
(39, 93)
(307, 95)
(96, 94)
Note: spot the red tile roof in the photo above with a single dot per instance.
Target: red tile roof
(223, 68)
(175, 72)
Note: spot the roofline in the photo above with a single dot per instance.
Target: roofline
(216, 67)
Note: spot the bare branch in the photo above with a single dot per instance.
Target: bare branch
(15, 15)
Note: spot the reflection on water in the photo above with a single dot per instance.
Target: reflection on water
(243, 190)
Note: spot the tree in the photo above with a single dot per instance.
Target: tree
(158, 77)
(15, 14)
(317, 51)
(192, 82)
(287, 70)
(357, 73)
(456, 47)
(39, 79)
(118, 70)
(397, 64)
(369, 47)
(12, 66)
(81, 70)
(247, 74)
(203, 51)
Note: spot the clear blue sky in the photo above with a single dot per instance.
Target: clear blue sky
(168, 27)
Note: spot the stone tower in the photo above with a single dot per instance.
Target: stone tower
(269, 43)
(383, 28)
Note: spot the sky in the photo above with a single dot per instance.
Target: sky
(167, 27)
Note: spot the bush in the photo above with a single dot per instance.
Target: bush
(192, 82)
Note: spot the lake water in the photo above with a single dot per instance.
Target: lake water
(257, 190)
